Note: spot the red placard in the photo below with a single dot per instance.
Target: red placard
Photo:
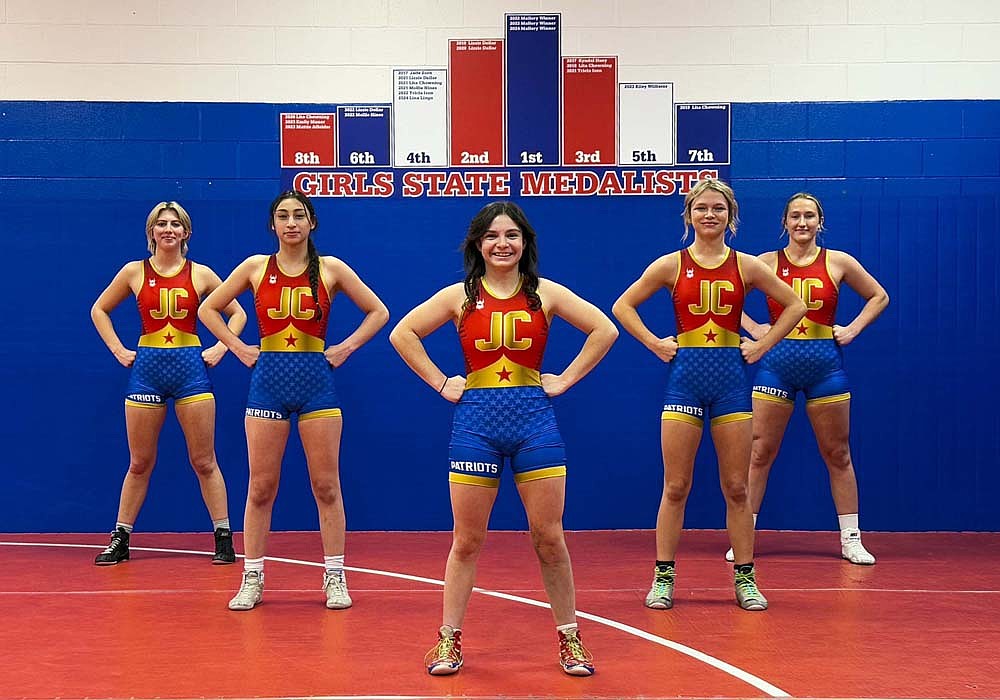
(308, 140)
(589, 116)
(475, 71)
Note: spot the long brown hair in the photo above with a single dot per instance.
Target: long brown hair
(475, 266)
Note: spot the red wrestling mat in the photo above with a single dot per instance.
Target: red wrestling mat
(922, 623)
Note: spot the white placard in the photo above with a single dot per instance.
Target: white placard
(420, 124)
(646, 124)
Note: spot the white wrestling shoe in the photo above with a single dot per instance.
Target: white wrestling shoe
(335, 587)
(852, 550)
(251, 591)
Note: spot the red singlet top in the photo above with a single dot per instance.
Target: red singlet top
(286, 311)
(708, 302)
(168, 308)
(814, 285)
(503, 341)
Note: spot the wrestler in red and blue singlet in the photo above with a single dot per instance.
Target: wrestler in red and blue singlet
(168, 362)
(808, 359)
(707, 377)
(292, 374)
(504, 412)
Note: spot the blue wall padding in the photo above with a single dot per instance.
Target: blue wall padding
(912, 189)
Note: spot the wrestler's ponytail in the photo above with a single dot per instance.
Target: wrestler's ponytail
(313, 270)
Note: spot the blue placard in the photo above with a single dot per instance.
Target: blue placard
(703, 134)
(533, 118)
(364, 136)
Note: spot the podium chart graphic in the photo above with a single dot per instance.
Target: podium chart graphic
(646, 111)
(533, 89)
(509, 117)
(420, 99)
(475, 79)
(365, 135)
(703, 134)
(307, 139)
(589, 107)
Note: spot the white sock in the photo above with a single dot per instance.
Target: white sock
(570, 627)
(334, 563)
(755, 520)
(222, 523)
(848, 522)
(254, 564)
(123, 526)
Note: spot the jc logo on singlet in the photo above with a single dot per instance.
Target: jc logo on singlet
(169, 301)
(710, 298)
(503, 332)
(804, 288)
(291, 304)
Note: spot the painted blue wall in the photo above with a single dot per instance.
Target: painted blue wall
(910, 188)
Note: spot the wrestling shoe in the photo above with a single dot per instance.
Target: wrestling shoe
(251, 591)
(661, 595)
(116, 551)
(224, 552)
(852, 550)
(748, 595)
(335, 587)
(573, 656)
(446, 656)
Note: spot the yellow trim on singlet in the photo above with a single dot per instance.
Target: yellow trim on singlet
(205, 396)
(836, 398)
(682, 417)
(278, 342)
(286, 273)
(680, 260)
(774, 399)
(473, 480)
(814, 331)
(322, 277)
(732, 418)
(321, 413)
(739, 269)
(489, 377)
(697, 338)
(534, 474)
(710, 267)
(136, 404)
(164, 275)
(260, 277)
(819, 250)
(179, 339)
(498, 297)
(829, 273)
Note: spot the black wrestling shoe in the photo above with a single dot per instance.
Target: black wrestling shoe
(116, 551)
(224, 552)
